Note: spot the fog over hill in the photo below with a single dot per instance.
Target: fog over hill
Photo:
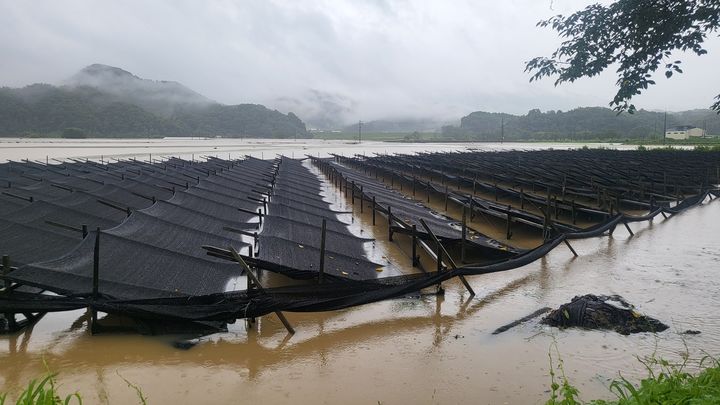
(159, 97)
(106, 101)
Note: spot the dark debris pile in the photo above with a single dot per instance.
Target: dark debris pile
(602, 312)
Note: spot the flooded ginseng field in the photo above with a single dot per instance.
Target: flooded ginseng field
(425, 349)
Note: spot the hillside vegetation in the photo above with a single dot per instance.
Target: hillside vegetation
(104, 101)
(588, 123)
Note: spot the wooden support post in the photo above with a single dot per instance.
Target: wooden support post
(10, 317)
(508, 229)
(547, 216)
(352, 192)
(5, 272)
(84, 230)
(362, 199)
(414, 246)
(390, 232)
(446, 197)
(464, 235)
(628, 228)
(547, 204)
(323, 234)
(374, 207)
(259, 287)
(95, 283)
(428, 191)
(441, 248)
(413, 189)
(471, 202)
(522, 199)
(439, 257)
(260, 215)
(570, 247)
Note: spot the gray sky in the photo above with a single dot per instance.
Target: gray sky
(349, 59)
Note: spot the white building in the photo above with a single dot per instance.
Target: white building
(684, 132)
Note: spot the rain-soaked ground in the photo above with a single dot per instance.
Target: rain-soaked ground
(426, 349)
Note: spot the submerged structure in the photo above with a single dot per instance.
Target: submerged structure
(184, 244)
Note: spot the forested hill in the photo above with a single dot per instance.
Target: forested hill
(397, 126)
(581, 123)
(103, 101)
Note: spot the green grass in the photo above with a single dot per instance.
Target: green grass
(707, 148)
(667, 383)
(713, 140)
(45, 391)
(697, 148)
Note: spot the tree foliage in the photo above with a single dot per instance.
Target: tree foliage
(42, 109)
(637, 36)
(588, 123)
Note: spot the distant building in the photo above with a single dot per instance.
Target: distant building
(684, 132)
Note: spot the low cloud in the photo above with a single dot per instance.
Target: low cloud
(326, 60)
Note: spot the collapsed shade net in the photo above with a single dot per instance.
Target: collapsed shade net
(129, 270)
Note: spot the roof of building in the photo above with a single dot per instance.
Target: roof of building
(681, 128)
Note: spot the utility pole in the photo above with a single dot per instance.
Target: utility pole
(665, 127)
(359, 131)
(654, 132)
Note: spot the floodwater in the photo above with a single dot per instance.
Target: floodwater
(42, 149)
(426, 349)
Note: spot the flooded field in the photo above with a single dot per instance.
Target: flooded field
(426, 349)
(42, 149)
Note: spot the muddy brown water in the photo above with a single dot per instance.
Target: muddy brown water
(424, 349)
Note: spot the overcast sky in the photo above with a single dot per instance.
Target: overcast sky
(349, 59)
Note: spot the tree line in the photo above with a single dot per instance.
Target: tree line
(588, 123)
(46, 110)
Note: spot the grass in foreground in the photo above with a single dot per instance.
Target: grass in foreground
(45, 392)
(667, 383)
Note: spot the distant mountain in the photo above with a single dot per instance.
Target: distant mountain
(585, 123)
(400, 126)
(159, 97)
(106, 101)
